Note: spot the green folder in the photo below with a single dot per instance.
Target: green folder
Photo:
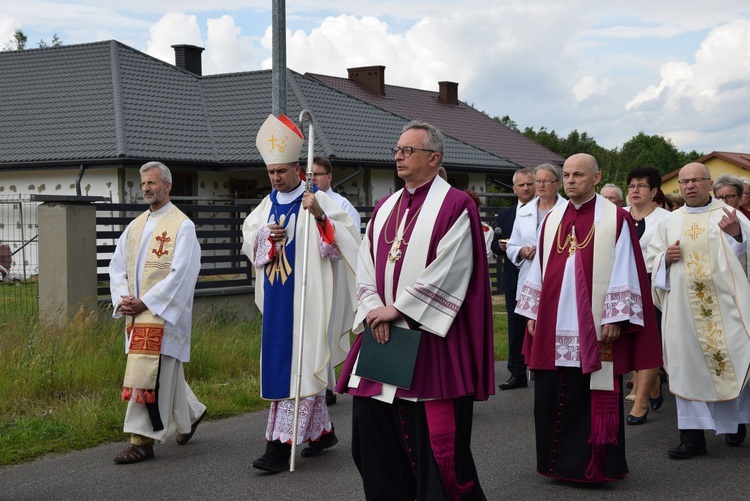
(392, 362)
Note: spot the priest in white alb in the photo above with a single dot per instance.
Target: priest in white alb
(152, 281)
(699, 268)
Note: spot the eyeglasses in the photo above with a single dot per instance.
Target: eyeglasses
(727, 198)
(639, 186)
(408, 151)
(318, 174)
(694, 180)
(544, 182)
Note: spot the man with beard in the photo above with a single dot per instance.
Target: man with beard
(152, 281)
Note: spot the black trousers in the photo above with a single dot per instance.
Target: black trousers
(516, 331)
(391, 449)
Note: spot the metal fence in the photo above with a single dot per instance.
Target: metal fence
(218, 224)
(19, 263)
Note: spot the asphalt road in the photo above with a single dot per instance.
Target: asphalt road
(215, 464)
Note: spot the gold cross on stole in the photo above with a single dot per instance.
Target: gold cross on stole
(694, 231)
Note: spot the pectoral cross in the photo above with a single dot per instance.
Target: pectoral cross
(572, 244)
(395, 252)
(163, 239)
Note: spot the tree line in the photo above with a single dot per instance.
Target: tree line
(641, 150)
(19, 40)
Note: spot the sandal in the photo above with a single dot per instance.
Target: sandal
(133, 454)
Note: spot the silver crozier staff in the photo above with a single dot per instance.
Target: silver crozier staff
(308, 189)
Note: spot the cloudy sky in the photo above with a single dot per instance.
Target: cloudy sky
(680, 69)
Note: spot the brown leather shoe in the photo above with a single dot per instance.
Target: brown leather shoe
(183, 438)
(133, 454)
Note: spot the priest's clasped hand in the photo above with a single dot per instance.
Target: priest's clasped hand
(379, 320)
(131, 305)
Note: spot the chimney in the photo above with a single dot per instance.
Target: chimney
(370, 77)
(188, 57)
(448, 92)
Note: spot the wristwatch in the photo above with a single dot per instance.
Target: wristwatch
(321, 218)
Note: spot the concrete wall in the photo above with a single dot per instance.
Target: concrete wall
(67, 261)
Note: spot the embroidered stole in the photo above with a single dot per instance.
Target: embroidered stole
(145, 331)
(415, 257)
(703, 301)
(605, 239)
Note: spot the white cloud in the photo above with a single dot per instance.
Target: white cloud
(589, 86)
(8, 26)
(173, 29)
(710, 93)
(226, 50)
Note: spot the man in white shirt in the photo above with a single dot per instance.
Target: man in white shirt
(322, 178)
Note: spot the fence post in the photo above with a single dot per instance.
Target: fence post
(67, 257)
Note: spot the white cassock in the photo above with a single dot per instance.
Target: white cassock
(704, 298)
(171, 299)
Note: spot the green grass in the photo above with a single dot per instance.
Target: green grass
(60, 388)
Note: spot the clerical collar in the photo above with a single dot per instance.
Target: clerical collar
(156, 214)
(584, 203)
(702, 208)
(290, 196)
(421, 187)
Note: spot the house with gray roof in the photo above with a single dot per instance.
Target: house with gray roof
(444, 110)
(83, 118)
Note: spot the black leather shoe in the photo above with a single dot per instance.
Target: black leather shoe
(687, 450)
(515, 382)
(736, 439)
(635, 420)
(276, 458)
(317, 447)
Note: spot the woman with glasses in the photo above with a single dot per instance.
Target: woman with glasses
(729, 189)
(644, 183)
(521, 247)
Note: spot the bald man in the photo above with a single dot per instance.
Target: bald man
(598, 324)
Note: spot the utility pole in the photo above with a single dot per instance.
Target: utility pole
(278, 57)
